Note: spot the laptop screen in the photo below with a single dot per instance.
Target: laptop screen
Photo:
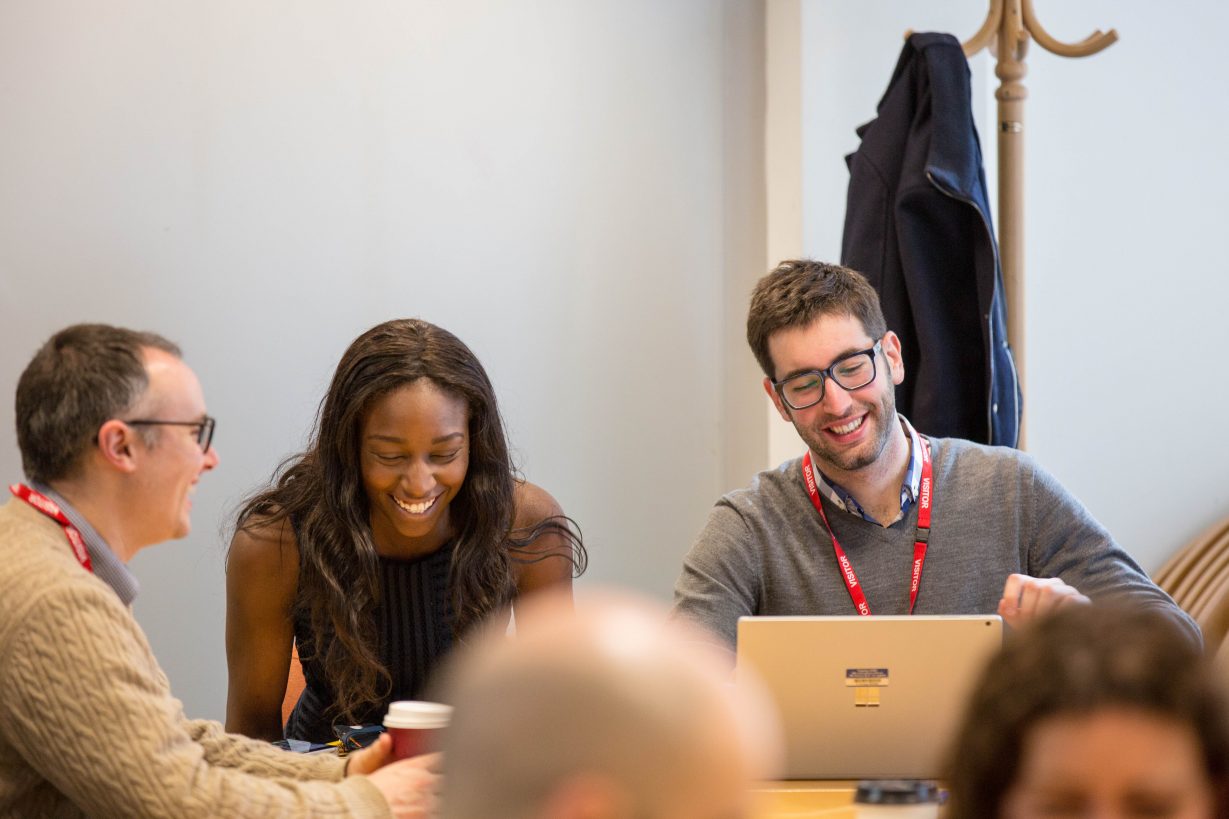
(867, 697)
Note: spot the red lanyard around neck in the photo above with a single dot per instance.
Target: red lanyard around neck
(920, 539)
(52, 510)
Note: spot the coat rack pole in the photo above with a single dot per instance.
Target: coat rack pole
(1008, 27)
(1011, 94)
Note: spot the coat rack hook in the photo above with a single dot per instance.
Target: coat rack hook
(1090, 45)
(985, 34)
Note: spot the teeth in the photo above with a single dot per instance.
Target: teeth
(415, 508)
(847, 428)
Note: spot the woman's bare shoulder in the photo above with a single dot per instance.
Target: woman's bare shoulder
(533, 505)
(547, 548)
(263, 550)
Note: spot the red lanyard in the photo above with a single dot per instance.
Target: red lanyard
(922, 536)
(52, 510)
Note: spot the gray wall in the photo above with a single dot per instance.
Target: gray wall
(575, 189)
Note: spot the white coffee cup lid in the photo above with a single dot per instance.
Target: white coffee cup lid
(415, 714)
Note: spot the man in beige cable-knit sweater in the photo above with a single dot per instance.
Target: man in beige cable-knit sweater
(113, 436)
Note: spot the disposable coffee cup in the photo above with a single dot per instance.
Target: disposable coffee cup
(896, 799)
(415, 726)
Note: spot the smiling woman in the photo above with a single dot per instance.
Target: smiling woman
(401, 527)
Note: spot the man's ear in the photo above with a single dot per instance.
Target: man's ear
(117, 445)
(776, 401)
(891, 351)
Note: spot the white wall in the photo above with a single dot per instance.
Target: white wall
(1126, 283)
(572, 188)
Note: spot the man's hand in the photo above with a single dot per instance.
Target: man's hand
(372, 758)
(1027, 597)
(408, 785)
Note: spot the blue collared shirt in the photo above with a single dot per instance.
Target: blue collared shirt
(909, 487)
(107, 567)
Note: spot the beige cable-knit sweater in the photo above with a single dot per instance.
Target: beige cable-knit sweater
(88, 725)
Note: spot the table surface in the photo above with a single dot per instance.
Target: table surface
(802, 798)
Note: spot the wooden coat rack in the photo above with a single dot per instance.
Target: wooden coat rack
(1006, 31)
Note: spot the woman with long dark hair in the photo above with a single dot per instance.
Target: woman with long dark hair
(400, 527)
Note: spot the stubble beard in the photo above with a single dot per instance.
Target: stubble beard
(862, 457)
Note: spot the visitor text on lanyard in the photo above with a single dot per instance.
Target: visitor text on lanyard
(920, 539)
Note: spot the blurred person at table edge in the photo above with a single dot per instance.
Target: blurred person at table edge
(1104, 711)
(609, 714)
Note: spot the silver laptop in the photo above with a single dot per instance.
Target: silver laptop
(867, 697)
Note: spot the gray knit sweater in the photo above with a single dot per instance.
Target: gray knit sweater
(764, 550)
(88, 725)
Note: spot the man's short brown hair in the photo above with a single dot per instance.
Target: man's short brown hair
(82, 377)
(798, 292)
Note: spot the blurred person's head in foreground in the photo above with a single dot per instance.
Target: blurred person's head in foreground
(605, 711)
(1097, 711)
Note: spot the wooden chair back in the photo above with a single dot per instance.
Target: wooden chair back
(1197, 578)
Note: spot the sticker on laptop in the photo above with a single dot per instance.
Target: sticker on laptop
(866, 696)
(866, 677)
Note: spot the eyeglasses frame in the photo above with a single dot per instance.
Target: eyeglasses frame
(825, 375)
(204, 435)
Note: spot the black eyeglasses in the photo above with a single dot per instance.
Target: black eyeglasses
(353, 737)
(204, 428)
(850, 372)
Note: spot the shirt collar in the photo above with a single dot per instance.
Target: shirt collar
(909, 487)
(107, 567)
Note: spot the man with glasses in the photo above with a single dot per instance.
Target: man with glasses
(114, 436)
(875, 518)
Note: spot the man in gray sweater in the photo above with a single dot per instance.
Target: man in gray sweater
(875, 518)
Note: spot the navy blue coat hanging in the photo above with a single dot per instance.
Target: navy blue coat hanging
(917, 223)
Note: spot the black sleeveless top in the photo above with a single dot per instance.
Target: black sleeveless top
(414, 621)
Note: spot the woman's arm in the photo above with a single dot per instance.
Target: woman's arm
(549, 560)
(262, 576)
